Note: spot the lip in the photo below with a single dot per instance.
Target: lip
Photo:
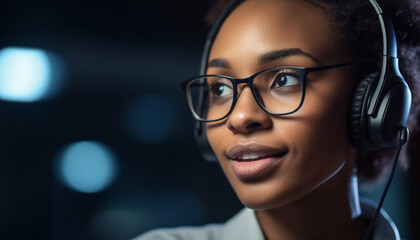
(254, 160)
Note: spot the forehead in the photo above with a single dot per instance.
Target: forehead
(259, 26)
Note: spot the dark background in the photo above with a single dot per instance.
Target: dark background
(117, 54)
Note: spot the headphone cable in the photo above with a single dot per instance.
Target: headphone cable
(403, 139)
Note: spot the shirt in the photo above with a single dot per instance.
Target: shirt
(244, 226)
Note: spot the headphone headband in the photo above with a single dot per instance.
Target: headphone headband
(213, 32)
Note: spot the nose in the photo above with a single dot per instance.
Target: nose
(247, 116)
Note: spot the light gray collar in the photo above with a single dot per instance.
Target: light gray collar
(244, 225)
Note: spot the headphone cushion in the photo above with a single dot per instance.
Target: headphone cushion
(358, 118)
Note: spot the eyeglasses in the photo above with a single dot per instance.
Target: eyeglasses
(278, 91)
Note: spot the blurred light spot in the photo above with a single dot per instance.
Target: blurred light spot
(118, 223)
(28, 74)
(130, 214)
(152, 118)
(177, 208)
(87, 166)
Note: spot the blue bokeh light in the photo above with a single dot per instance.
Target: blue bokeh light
(87, 166)
(127, 214)
(184, 208)
(152, 118)
(28, 74)
(119, 222)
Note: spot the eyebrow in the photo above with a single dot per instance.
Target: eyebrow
(266, 57)
(278, 54)
(219, 62)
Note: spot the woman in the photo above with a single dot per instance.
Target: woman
(284, 145)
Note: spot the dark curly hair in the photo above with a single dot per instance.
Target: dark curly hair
(359, 28)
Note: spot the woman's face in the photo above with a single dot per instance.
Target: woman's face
(291, 155)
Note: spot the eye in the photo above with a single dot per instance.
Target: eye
(285, 78)
(221, 90)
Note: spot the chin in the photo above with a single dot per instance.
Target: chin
(264, 198)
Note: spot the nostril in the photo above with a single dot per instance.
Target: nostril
(254, 125)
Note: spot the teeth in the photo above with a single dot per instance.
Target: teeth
(249, 156)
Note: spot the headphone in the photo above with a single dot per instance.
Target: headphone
(381, 102)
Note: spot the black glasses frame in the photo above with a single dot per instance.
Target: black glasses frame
(302, 71)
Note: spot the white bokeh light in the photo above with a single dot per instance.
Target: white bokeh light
(25, 74)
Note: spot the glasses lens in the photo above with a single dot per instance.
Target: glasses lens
(280, 90)
(210, 98)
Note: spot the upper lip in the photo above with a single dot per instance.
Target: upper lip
(237, 151)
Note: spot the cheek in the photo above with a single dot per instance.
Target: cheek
(318, 141)
(217, 134)
(319, 136)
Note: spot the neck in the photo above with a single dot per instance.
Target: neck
(331, 211)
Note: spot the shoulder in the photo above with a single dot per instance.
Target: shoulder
(384, 228)
(243, 225)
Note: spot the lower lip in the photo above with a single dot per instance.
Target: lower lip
(255, 168)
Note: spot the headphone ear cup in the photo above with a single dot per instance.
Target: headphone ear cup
(358, 122)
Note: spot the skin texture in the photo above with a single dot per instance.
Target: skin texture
(310, 192)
